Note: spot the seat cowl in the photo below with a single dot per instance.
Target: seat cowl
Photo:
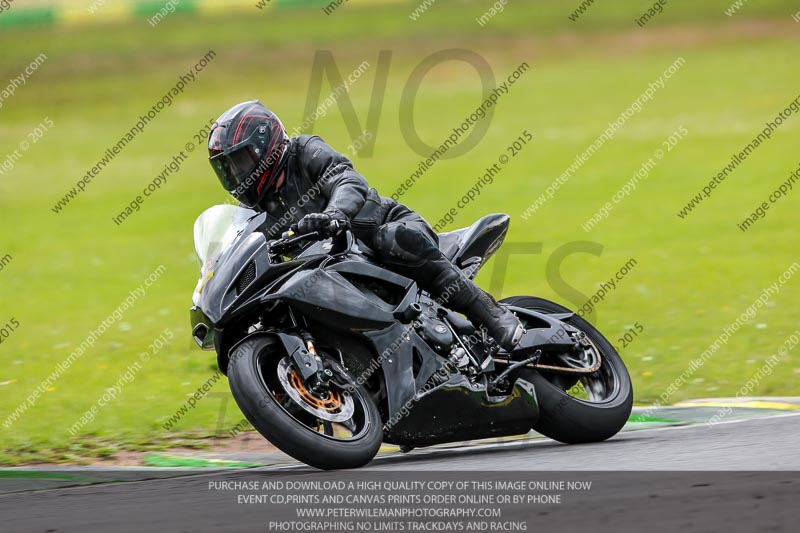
(481, 239)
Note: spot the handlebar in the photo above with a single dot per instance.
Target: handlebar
(335, 228)
(290, 239)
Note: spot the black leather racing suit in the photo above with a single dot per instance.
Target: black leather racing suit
(319, 179)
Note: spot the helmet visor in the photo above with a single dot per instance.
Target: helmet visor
(234, 170)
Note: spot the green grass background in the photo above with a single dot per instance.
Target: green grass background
(693, 277)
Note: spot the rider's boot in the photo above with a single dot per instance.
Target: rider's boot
(454, 290)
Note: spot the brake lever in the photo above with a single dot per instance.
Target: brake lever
(289, 239)
(336, 227)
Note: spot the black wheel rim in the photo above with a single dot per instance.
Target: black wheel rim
(601, 386)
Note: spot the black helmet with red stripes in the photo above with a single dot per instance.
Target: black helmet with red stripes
(247, 148)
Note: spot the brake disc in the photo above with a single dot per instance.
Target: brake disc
(587, 362)
(330, 405)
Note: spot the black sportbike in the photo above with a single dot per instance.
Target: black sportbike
(329, 354)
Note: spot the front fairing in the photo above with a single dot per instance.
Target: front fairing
(236, 268)
(218, 234)
(228, 243)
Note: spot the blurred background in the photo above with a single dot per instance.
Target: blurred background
(385, 82)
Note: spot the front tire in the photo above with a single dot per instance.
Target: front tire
(609, 401)
(275, 411)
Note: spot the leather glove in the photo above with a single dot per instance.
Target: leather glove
(327, 224)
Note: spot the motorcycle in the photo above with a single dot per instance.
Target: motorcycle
(328, 354)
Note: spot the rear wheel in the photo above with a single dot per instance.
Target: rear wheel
(579, 408)
(328, 427)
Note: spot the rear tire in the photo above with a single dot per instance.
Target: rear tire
(249, 375)
(572, 420)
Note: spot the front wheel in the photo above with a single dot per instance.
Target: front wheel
(330, 427)
(579, 408)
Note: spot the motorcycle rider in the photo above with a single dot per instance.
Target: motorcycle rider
(304, 184)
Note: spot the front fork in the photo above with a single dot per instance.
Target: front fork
(308, 363)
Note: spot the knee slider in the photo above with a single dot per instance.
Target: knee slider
(395, 242)
(414, 242)
(382, 238)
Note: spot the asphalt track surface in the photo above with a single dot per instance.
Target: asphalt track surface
(758, 444)
(651, 480)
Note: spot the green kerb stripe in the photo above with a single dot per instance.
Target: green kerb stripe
(151, 7)
(28, 17)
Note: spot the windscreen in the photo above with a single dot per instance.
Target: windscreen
(214, 231)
